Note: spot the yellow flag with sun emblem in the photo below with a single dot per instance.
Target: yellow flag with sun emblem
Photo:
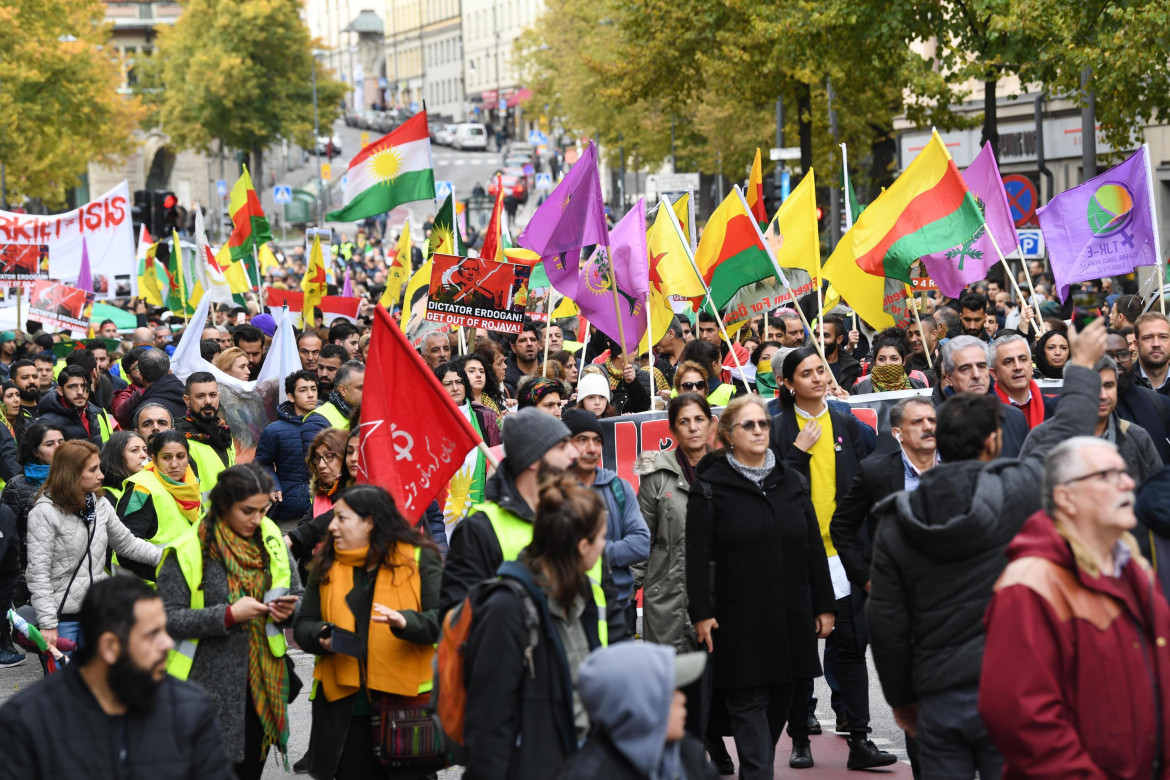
(393, 170)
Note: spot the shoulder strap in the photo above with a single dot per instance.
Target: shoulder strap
(619, 494)
(531, 621)
(708, 492)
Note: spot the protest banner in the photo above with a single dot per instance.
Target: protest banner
(60, 306)
(109, 237)
(477, 293)
(21, 263)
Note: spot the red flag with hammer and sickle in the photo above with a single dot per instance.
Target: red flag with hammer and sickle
(413, 438)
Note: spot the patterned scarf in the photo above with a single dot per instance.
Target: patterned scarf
(891, 376)
(336, 399)
(186, 493)
(214, 433)
(247, 575)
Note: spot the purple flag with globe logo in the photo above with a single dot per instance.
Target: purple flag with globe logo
(1104, 227)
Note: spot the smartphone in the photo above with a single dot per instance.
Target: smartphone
(346, 642)
(1085, 309)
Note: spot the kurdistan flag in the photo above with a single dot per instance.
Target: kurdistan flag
(395, 169)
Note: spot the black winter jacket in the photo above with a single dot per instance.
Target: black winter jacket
(939, 550)
(280, 454)
(167, 392)
(854, 524)
(519, 717)
(56, 729)
(771, 576)
(599, 758)
(54, 412)
(1013, 425)
(1142, 406)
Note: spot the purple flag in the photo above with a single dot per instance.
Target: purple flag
(85, 277)
(968, 262)
(1103, 227)
(613, 282)
(347, 288)
(573, 216)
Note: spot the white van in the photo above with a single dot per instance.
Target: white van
(470, 135)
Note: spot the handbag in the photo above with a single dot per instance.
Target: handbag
(403, 732)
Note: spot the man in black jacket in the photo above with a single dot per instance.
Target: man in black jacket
(939, 550)
(846, 368)
(115, 712)
(1135, 403)
(68, 406)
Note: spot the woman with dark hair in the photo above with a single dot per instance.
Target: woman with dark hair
(485, 388)
(496, 363)
(378, 578)
(523, 716)
(547, 395)
(888, 372)
(10, 394)
(466, 486)
(750, 520)
(163, 500)
(1050, 355)
(34, 453)
(69, 529)
(230, 590)
(826, 447)
(565, 358)
(123, 456)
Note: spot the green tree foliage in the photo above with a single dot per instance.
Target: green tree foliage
(59, 103)
(238, 72)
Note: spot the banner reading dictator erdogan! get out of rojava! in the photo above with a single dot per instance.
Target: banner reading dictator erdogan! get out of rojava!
(104, 223)
(478, 293)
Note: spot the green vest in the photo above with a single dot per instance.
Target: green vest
(208, 465)
(171, 522)
(331, 413)
(722, 395)
(189, 554)
(514, 534)
(104, 425)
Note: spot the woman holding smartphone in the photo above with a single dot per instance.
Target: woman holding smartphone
(230, 588)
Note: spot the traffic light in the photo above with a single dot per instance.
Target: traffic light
(164, 213)
(140, 212)
(820, 219)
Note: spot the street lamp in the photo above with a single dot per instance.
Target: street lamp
(316, 140)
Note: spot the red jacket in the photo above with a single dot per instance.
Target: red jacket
(1076, 667)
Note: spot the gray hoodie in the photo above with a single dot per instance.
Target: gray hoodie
(627, 690)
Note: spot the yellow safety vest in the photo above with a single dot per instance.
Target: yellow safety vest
(722, 395)
(514, 534)
(331, 413)
(104, 425)
(171, 522)
(189, 554)
(208, 465)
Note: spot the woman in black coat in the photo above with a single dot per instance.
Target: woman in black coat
(817, 440)
(751, 519)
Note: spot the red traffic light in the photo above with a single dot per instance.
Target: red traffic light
(170, 200)
(820, 213)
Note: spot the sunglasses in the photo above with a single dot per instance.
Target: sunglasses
(692, 386)
(755, 425)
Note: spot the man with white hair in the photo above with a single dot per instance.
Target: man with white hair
(1012, 369)
(966, 363)
(1075, 666)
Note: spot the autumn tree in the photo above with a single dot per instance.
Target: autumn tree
(238, 73)
(60, 108)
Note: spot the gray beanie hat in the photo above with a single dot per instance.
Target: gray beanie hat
(528, 434)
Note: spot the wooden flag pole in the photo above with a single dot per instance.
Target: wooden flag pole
(1011, 277)
(547, 328)
(918, 322)
(487, 454)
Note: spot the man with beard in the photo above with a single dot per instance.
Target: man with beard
(854, 525)
(25, 376)
(70, 409)
(536, 444)
(1151, 333)
(339, 408)
(250, 339)
(973, 315)
(790, 333)
(122, 715)
(209, 438)
(525, 355)
(1137, 404)
(328, 364)
(924, 337)
(846, 368)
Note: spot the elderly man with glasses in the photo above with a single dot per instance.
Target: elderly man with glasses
(1076, 663)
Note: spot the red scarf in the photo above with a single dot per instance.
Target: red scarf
(1033, 410)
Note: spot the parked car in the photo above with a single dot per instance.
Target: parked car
(517, 149)
(518, 161)
(514, 183)
(351, 117)
(445, 135)
(470, 135)
(324, 147)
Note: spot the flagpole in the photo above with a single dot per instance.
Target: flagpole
(918, 322)
(1157, 238)
(547, 328)
(1011, 277)
(707, 292)
(487, 454)
(182, 276)
(584, 339)
(617, 311)
(848, 226)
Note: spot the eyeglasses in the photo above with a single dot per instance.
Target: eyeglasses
(325, 457)
(1109, 476)
(692, 386)
(754, 425)
(1121, 354)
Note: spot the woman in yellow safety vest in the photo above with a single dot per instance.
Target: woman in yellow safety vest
(123, 456)
(161, 501)
(377, 577)
(230, 589)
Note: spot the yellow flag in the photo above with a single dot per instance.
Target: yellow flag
(660, 316)
(565, 308)
(793, 234)
(421, 278)
(237, 277)
(314, 282)
(399, 273)
(682, 210)
(268, 260)
(148, 277)
(671, 270)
